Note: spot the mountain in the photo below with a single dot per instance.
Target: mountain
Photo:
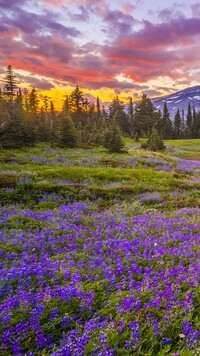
(179, 100)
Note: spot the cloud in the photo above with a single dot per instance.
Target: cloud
(155, 50)
(43, 43)
(119, 22)
(127, 8)
(41, 84)
(83, 14)
(10, 4)
(195, 9)
(29, 22)
(54, 2)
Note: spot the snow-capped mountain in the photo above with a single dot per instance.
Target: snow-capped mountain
(179, 100)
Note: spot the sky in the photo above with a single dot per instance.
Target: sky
(106, 47)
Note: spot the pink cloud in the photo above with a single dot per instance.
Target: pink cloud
(127, 8)
(54, 2)
(154, 51)
(195, 9)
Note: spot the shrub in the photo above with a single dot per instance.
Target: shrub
(155, 142)
(113, 140)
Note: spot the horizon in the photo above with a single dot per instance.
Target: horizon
(57, 45)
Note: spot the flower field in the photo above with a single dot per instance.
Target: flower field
(100, 254)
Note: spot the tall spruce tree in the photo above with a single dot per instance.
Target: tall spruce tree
(66, 133)
(188, 128)
(78, 106)
(177, 125)
(167, 129)
(194, 124)
(117, 114)
(33, 101)
(12, 133)
(145, 116)
(131, 117)
(198, 124)
(98, 108)
(10, 86)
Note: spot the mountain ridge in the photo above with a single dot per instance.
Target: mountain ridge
(179, 100)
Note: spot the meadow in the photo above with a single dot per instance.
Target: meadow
(99, 252)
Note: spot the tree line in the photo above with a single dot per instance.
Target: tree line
(23, 122)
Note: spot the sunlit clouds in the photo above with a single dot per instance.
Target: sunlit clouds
(105, 47)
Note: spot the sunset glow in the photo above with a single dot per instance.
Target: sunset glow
(106, 47)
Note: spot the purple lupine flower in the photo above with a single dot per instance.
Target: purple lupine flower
(40, 341)
(66, 321)
(54, 313)
(166, 340)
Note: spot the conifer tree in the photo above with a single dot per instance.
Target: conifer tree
(5, 120)
(177, 125)
(183, 123)
(32, 104)
(158, 122)
(194, 125)
(198, 124)
(167, 129)
(98, 107)
(67, 132)
(155, 142)
(12, 127)
(117, 113)
(10, 86)
(78, 106)
(53, 123)
(188, 128)
(131, 117)
(33, 101)
(112, 138)
(12, 135)
(145, 116)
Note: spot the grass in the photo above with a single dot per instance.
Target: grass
(106, 240)
(188, 149)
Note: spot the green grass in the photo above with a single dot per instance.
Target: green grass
(82, 174)
(44, 178)
(187, 149)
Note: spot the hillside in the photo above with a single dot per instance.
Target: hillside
(179, 100)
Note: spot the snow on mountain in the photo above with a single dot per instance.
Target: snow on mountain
(179, 100)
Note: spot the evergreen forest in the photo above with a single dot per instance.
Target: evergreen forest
(24, 121)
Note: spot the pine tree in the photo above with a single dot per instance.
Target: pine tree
(183, 123)
(78, 106)
(112, 139)
(53, 124)
(32, 104)
(12, 122)
(117, 113)
(177, 125)
(198, 124)
(188, 128)
(12, 133)
(158, 122)
(98, 107)
(155, 142)
(131, 117)
(145, 116)
(194, 125)
(10, 86)
(167, 129)
(33, 101)
(5, 120)
(67, 132)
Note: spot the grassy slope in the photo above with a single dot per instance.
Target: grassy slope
(43, 178)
